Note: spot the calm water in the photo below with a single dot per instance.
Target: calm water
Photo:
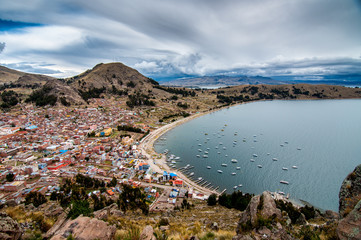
(322, 138)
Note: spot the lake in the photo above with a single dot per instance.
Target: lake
(313, 145)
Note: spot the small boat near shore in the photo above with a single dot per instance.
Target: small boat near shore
(220, 171)
(252, 160)
(284, 182)
(234, 160)
(260, 166)
(209, 167)
(294, 167)
(233, 173)
(255, 155)
(224, 165)
(238, 168)
(284, 168)
(274, 159)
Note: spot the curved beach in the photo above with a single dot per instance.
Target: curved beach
(158, 161)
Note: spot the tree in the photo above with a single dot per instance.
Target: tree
(35, 198)
(113, 182)
(78, 208)
(212, 200)
(10, 177)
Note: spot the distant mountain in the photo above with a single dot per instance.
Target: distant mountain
(222, 81)
(8, 76)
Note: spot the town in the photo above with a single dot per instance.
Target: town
(40, 147)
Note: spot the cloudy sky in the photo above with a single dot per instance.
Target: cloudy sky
(168, 38)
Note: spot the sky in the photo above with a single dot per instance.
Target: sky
(167, 39)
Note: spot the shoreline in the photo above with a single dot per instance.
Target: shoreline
(157, 161)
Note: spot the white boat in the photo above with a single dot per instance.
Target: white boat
(199, 144)
(282, 193)
(191, 174)
(176, 158)
(274, 159)
(294, 167)
(200, 150)
(216, 147)
(252, 160)
(234, 143)
(174, 162)
(234, 160)
(298, 148)
(219, 152)
(284, 182)
(205, 156)
(209, 167)
(220, 171)
(260, 166)
(233, 173)
(255, 155)
(205, 152)
(284, 168)
(268, 154)
(240, 185)
(235, 187)
(198, 156)
(208, 148)
(226, 155)
(224, 148)
(224, 165)
(238, 168)
(200, 178)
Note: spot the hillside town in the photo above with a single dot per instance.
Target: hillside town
(40, 147)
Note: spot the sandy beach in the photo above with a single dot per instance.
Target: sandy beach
(157, 161)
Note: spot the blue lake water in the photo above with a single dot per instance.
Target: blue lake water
(322, 138)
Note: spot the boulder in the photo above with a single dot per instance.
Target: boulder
(108, 211)
(350, 192)
(301, 220)
(147, 233)
(9, 228)
(264, 205)
(84, 228)
(349, 228)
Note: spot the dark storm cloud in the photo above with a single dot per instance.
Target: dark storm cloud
(191, 37)
(2, 46)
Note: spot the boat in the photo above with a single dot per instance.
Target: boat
(200, 150)
(238, 168)
(260, 166)
(209, 167)
(294, 167)
(224, 165)
(208, 148)
(255, 155)
(219, 152)
(191, 174)
(298, 148)
(176, 158)
(205, 152)
(233, 173)
(274, 159)
(224, 148)
(226, 155)
(286, 142)
(200, 178)
(234, 160)
(216, 147)
(252, 160)
(199, 144)
(268, 154)
(174, 162)
(234, 143)
(244, 140)
(220, 171)
(220, 143)
(284, 168)
(235, 187)
(198, 156)
(281, 193)
(205, 156)
(282, 145)
(284, 182)
(240, 185)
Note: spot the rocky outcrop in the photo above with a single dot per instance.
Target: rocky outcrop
(261, 209)
(85, 228)
(350, 227)
(9, 228)
(57, 225)
(111, 210)
(350, 192)
(260, 205)
(147, 233)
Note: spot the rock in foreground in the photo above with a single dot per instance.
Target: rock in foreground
(85, 228)
(9, 229)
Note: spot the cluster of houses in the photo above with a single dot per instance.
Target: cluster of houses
(40, 146)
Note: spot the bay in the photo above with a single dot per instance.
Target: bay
(321, 138)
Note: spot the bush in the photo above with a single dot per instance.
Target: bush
(42, 97)
(35, 198)
(10, 177)
(78, 208)
(212, 200)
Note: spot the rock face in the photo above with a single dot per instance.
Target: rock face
(108, 211)
(349, 226)
(9, 228)
(350, 192)
(147, 233)
(264, 205)
(84, 228)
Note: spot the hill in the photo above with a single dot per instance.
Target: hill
(222, 81)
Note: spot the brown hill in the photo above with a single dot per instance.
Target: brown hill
(8, 75)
